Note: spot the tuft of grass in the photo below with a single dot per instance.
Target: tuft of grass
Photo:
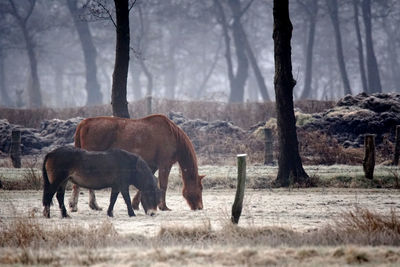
(32, 180)
(28, 232)
(360, 227)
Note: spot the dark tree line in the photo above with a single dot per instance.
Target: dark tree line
(62, 53)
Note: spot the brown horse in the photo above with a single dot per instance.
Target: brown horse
(158, 140)
(114, 168)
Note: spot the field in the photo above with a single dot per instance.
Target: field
(317, 226)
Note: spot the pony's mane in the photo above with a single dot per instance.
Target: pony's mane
(185, 150)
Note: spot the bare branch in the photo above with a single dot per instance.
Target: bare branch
(133, 3)
(244, 10)
(108, 12)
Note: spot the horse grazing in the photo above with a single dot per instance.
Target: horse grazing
(114, 168)
(158, 140)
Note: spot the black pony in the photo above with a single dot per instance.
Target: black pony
(114, 168)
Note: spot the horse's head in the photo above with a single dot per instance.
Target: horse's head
(193, 194)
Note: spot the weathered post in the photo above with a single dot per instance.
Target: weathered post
(148, 105)
(268, 150)
(237, 204)
(15, 150)
(397, 147)
(369, 156)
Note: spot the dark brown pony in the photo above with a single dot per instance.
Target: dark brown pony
(158, 140)
(114, 168)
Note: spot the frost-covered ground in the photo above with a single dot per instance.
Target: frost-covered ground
(301, 210)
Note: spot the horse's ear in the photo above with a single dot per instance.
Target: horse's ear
(201, 177)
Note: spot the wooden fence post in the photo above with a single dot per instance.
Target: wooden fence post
(268, 149)
(15, 150)
(237, 204)
(369, 156)
(148, 105)
(397, 146)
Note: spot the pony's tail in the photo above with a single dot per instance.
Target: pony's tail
(77, 137)
(46, 184)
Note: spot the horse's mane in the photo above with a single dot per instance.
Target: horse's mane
(186, 154)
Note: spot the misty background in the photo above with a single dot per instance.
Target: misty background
(60, 53)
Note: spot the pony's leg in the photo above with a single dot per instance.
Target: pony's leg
(127, 198)
(73, 201)
(60, 198)
(48, 193)
(163, 174)
(92, 201)
(113, 198)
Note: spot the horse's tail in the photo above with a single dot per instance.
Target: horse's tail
(46, 183)
(77, 137)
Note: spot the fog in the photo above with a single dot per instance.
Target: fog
(180, 50)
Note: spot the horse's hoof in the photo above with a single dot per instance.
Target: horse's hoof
(94, 206)
(132, 215)
(135, 207)
(73, 208)
(164, 208)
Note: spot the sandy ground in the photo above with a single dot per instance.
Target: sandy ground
(300, 210)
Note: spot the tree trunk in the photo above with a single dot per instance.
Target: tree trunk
(257, 72)
(374, 81)
(94, 96)
(312, 14)
(239, 39)
(393, 55)
(35, 96)
(5, 98)
(333, 13)
(120, 75)
(137, 87)
(360, 47)
(170, 73)
(289, 162)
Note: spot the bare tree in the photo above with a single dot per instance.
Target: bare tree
(118, 95)
(237, 80)
(290, 165)
(360, 46)
(311, 9)
(5, 98)
(22, 17)
(334, 15)
(374, 80)
(94, 95)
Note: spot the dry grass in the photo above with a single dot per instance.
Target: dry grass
(28, 232)
(31, 179)
(347, 241)
(356, 227)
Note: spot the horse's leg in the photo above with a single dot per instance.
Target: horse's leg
(73, 201)
(163, 174)
(127, 198)
(113, 198)
(60, 198)
(92, 201)
(136, 200)
(137, 197)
